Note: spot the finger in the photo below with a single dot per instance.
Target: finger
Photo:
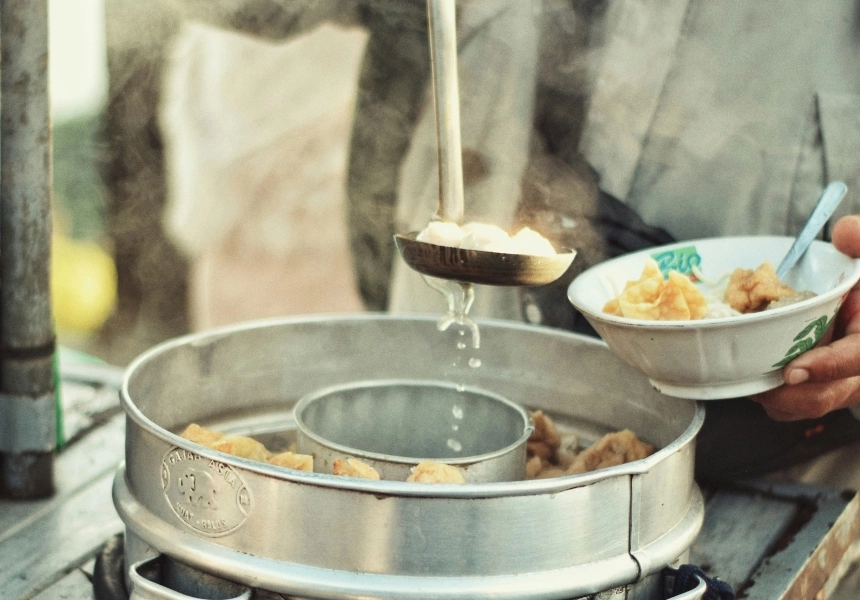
(846, 235)
(848, 319)
(837, 360)
(809, 401)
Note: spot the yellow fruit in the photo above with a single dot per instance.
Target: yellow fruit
(83, 285)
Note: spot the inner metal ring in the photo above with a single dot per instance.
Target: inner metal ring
(392, 425)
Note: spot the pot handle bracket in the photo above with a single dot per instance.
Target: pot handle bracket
(145, 587)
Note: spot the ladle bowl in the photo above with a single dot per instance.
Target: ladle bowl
(479, 266)
(468, 266)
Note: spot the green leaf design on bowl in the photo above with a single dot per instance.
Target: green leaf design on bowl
(806, 339)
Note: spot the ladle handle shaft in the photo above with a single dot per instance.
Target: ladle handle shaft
(443, 59)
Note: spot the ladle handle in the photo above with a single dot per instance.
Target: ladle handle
(442, 27)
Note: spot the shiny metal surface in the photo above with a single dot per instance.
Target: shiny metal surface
(393, 425)
(697, 593)
(26, 323)
(317, 535)
(479, 266)
(468, 266)
(143, 588)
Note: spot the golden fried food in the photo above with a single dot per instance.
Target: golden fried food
(550, 472)
(201, 435)
(433, 472)
(751, 291)
(534, 466)
(545, 440)
(352, 467)
(612, 449)
(655, 298)
(291, 460)
(243, 447)
(548, 453)
(567, 451)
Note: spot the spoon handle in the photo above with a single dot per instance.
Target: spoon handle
(446, 99)
(827, 204)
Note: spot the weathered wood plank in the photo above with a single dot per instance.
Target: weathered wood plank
(66, 536)
(800, 569)
(74, 586)
(739, 528)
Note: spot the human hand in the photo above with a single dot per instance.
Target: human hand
(827, 377)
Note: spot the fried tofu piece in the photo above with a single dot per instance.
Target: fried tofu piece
(291, 460)
(545, 440)
(534, 467)
(550, 472)
(243, 447)
(654, 298)
(612, 449)
(567, 451)
(751, 291)
(433, 472)
(352, 467)
(201, 435)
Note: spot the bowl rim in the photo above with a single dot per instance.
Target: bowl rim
(715, 322)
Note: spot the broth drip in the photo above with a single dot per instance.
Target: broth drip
(460, 297)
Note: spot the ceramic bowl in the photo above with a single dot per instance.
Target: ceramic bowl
(725, 357)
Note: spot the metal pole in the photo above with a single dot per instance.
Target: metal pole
(27, 344)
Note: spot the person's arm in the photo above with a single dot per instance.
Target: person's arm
(272, 19)
(827, 377)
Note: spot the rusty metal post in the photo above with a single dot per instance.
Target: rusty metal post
(27, 344)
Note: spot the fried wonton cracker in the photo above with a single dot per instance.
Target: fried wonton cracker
(654, 298)
(352, 467)
(291, 460)
(201, 435)
(433, 472)
(243, 447)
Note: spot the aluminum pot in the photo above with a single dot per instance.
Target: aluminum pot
(320, 536)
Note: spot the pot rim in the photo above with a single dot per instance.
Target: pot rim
(388, 488)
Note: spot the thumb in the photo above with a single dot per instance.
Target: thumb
(846, 235)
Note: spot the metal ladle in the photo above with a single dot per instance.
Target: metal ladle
(445, 262)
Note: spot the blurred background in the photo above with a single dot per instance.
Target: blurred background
(132, 89)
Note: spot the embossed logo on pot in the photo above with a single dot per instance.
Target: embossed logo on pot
(207, 495)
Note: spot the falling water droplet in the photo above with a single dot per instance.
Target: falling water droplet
(474, 362)
(461, 345)
(455, 445)
(457, 411)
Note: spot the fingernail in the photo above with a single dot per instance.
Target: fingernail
(796, 376)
